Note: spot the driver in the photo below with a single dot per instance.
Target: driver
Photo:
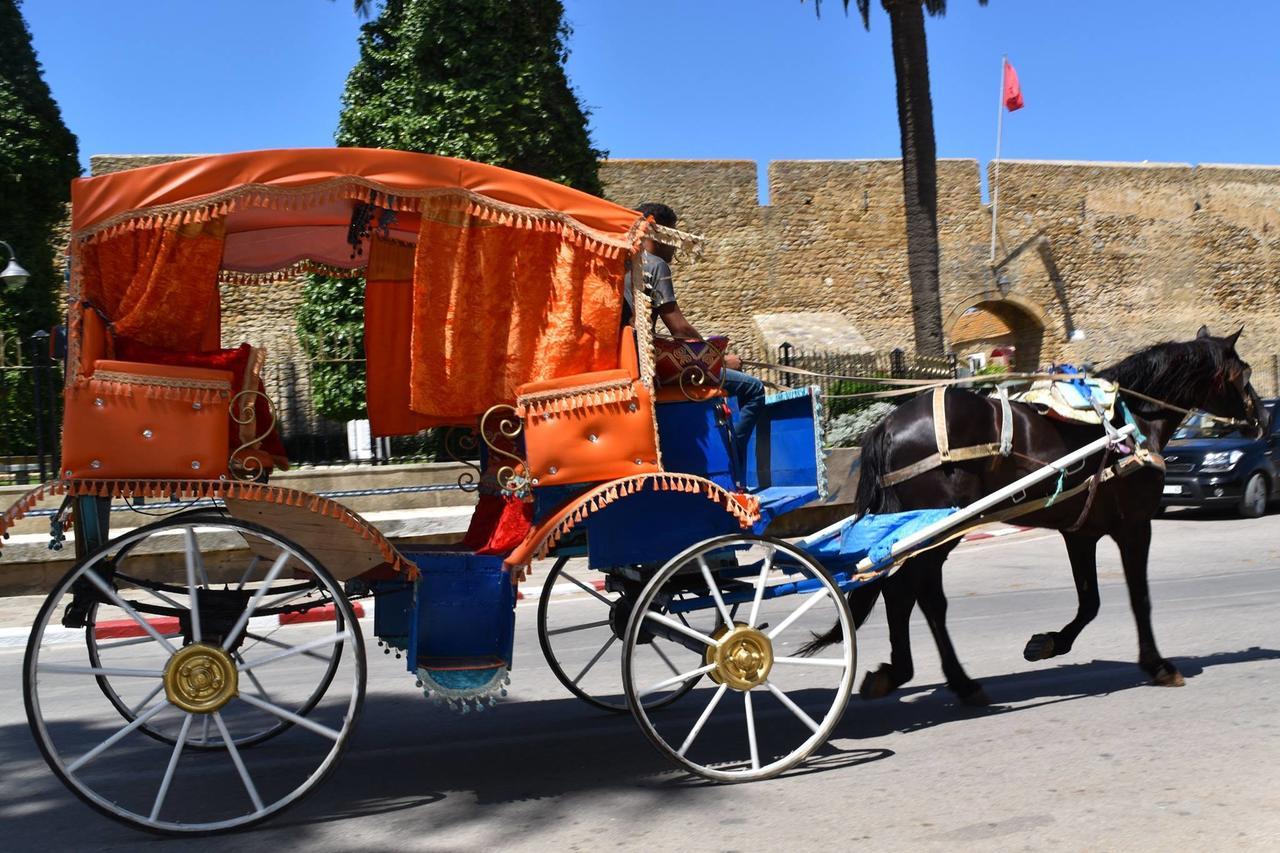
(656, 260)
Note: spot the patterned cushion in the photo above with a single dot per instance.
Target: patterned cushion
(689, 362)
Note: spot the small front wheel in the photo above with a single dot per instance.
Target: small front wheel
(739, 609)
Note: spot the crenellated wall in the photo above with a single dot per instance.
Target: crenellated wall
(1125, 254)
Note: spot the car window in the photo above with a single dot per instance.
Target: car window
(1199, 425)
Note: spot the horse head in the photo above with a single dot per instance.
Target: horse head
(1230, 394)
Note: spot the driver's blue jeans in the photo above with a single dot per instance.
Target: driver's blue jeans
(749, 392)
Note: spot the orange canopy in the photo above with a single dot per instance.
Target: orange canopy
(102, 200)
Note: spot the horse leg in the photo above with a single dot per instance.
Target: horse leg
(1135, 543)
(927, 580)
(899, 601)
(1083, 551)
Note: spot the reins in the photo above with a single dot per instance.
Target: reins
(909, 387)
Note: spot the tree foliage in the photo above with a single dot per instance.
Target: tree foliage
(482, 80)
(38, 159)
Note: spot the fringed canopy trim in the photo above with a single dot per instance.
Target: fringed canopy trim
(212, 489)
(540, 540)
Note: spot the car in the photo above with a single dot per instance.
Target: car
(1210, 464)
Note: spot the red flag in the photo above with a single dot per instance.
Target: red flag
(1012, 89)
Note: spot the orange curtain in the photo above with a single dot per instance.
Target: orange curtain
(158, 286)
(496, 305)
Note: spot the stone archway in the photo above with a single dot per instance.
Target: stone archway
(992, 324)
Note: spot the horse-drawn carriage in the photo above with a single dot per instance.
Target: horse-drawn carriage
(202, 672)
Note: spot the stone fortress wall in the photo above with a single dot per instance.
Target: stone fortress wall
(1124, 254)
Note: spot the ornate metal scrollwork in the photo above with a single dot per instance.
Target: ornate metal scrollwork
(499, 423)
(460, 445)
(696, 375)
(249, 468)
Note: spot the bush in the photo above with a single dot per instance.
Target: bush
(847, 430)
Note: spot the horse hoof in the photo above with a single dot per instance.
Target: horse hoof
(1039, 647)
(1167, 675)
(877, 684)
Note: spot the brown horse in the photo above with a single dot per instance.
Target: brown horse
(1205, 374)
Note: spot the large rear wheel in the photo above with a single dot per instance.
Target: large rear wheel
(188, 628)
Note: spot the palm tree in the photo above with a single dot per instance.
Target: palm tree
(919, 158)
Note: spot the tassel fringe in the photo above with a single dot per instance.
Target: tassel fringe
(743, 507)
(213, 489)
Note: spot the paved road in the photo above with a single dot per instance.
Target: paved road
(1079, 753)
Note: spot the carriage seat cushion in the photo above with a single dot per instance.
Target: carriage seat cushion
(1071, 400)
(244, 364)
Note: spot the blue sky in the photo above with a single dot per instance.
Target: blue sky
(727, 79)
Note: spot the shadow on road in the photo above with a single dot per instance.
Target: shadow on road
(547, 760)
(915, 708)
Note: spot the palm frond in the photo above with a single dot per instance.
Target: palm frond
(864, 9)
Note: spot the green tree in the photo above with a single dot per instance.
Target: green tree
(483, 80)
(38, 159)
(919, 158)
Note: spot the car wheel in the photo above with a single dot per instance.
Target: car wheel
(1253, 502)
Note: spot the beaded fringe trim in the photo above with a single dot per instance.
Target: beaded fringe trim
(114, 384)
(744, 508)
(579, 397)
(351, 188)
(213, 489)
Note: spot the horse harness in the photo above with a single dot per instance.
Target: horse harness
(1138, 457)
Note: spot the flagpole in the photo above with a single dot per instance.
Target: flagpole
(995, 181)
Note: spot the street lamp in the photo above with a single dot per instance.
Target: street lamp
(13, 275)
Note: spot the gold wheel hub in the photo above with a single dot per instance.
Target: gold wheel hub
(201, 679)
(742, 659)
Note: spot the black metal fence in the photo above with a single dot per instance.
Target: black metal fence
(30, 406)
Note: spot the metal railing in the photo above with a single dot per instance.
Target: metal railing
(31, 373)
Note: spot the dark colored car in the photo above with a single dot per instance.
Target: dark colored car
(1209, 464)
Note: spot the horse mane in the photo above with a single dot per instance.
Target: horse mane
(1178, 372)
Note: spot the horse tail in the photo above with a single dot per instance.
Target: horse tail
(861, 600)
(872, 496)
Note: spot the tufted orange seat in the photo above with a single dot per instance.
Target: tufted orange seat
(590, 427)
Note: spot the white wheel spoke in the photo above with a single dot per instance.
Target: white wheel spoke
(204, 730)
(583, 627)
(586, 587)
(254, 678)
(677, 679)
(332, 734)
(793, 707)
(715, 590)
(751, 731)
(683, 629)
(65, 669)
(702, 720)
(105, 589)
(279, 645)
(280, 602)
(134, 641)
(761, 583)
(115, 738)
(799, 611)
(295, 650)
(671, 666)
(174, 603)
(276, 568)
(173, 766)
(194, 566)
(831, 662)
(598, 655)
(155, 691)
(235, 759)
(244, 579)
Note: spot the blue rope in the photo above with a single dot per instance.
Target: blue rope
(1057, 490)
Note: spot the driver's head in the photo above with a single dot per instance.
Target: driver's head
(662, 215)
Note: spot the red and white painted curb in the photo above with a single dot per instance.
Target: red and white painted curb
(531, 591)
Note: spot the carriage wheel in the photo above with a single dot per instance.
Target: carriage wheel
(202, 736)
(761, 708)
(211, 667)
(591, 624)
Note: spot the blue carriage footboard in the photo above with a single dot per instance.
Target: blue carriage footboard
(785, 462)
(455, 625)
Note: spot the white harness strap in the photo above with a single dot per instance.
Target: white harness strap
(1006, 421)
(940, 424)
